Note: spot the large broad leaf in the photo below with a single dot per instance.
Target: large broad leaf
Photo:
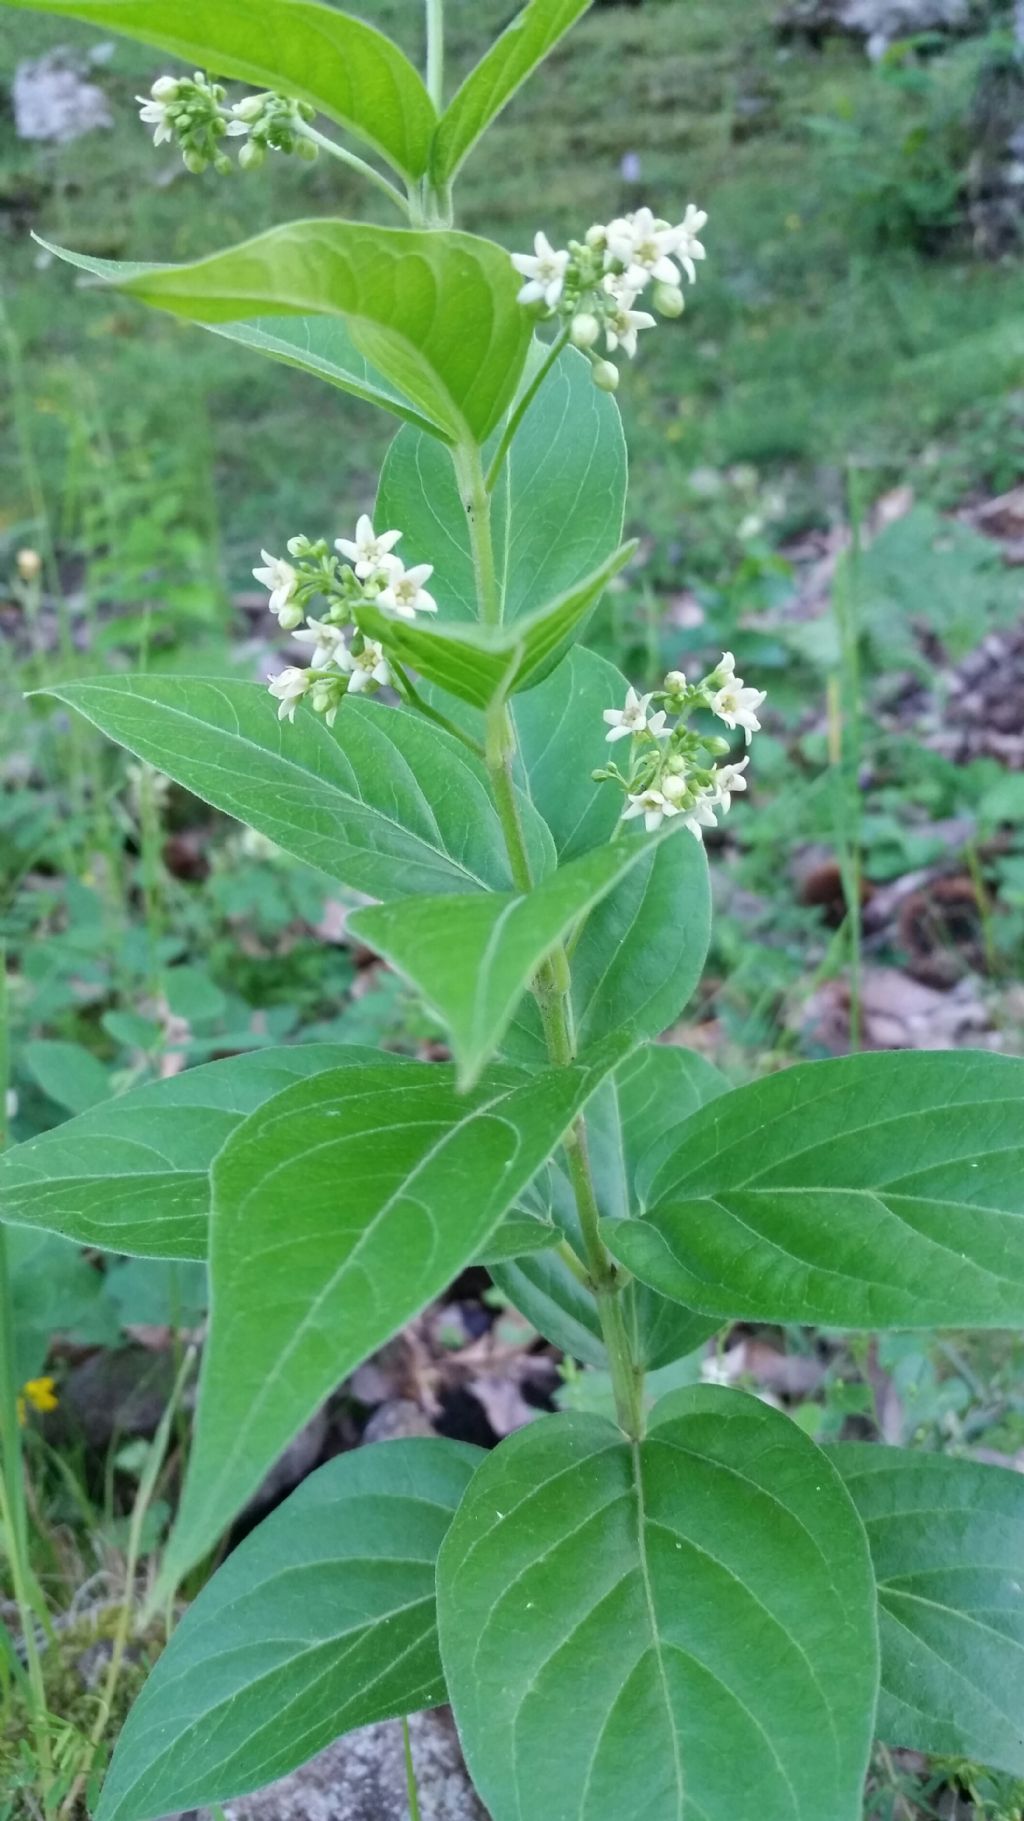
(651, 1091)
(435, 312)
(947, 1542)
(482, 664)
(386, 802)
(872, 1191)
(319, 345)
(641, 952)
(561, 739)
(322, 1620)
(340, 1208)
(133, 1175)
(683, 1630)
(473, 958)
(557, 510)
(54, 1292)
(348, 70)
(521, 47)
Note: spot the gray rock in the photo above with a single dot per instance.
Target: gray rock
(881, 22)
(362, 1778)
(54, 100)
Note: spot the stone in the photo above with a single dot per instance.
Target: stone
(880, 22)
(54, 101)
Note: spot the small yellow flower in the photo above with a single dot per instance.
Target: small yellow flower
(29, 564)
(36, 1394)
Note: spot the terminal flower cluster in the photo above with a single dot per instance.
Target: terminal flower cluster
(675, 770)
(190, 111)
(358, 571)
(594, 285)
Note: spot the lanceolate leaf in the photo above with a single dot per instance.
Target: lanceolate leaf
(435, 312)
(319, 345)
(385, 801)
(133, 1175)
(562, 742)
(482, 664)
(322, 1620)
(473, 959)
(684, 1630)
(340, 1209)
(872, 1191)
(947, 1542)
(557, 510)
(348, 70)
(525, 43)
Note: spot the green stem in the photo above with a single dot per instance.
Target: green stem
(435, 52)
(476, 503)
(355, 163)
(412, 698)
(521, 408)
(13, 1504)
(410, 1773)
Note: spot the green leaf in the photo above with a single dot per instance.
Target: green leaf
(641, 953)
(692, 1618)
(483, 664)
(557, 509)
(323, 1619)
(435, 312)
(473, 958)
(384, 802)
(132, 1175)
(561, 740)
(518, 1233)
(373, 1165)
(55, 1291)
(319, 345)
(947, 1542)
(69, 1075)
(651, 1091)
(522, 46)
(871, 1191)
(348, 70)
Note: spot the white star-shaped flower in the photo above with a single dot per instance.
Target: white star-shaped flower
(405, 593)
(281, 579)
(329, 646)
(643, 245)
(544, 270)
(633, 718)
(623, 327)
(728, 780)
(737, 706)
(369, 667)
(155, 109)
(367, 551)
(289, 688)
(652, 804)
(685, 245)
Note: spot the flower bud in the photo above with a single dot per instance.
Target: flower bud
(250, 107)
(585, 330)
(596, 235)
(165, 88)
(251, 155)
(675, 786)
(668, 299)
(716, 746)
(195, 162)
(291, 616)
(606, 376)
(306, 150)
(675, 682)
(298, 546)
(29, 564)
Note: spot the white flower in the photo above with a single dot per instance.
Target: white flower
(653, 805)
(728, 780)
(701, 815)
(369, 667)
(368, 551)
(281, 579)
(737, 706)
(685, 245)
(405, 593)
(544, 270)
(643, 245)
(289, 688)
(330, 649)
(585, 329)
(633, 718)
(155, 109)
(725, 669)
(622, 329)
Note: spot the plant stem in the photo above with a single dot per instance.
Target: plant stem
(410, 1773)
(435, 52)
(551, 990)
(355, 163)
(13, 1506)
(476, 503)
(521, 408)
(413, 699)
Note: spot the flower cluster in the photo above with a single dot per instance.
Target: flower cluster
(190, 111)
(342, 660)
(675, 770)
(594, 285)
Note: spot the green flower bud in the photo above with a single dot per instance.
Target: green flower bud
(165, 88)
(306, 150)
(195, 162)
(585, 330)
(668, 299)
(250, 157)
(606, 377)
